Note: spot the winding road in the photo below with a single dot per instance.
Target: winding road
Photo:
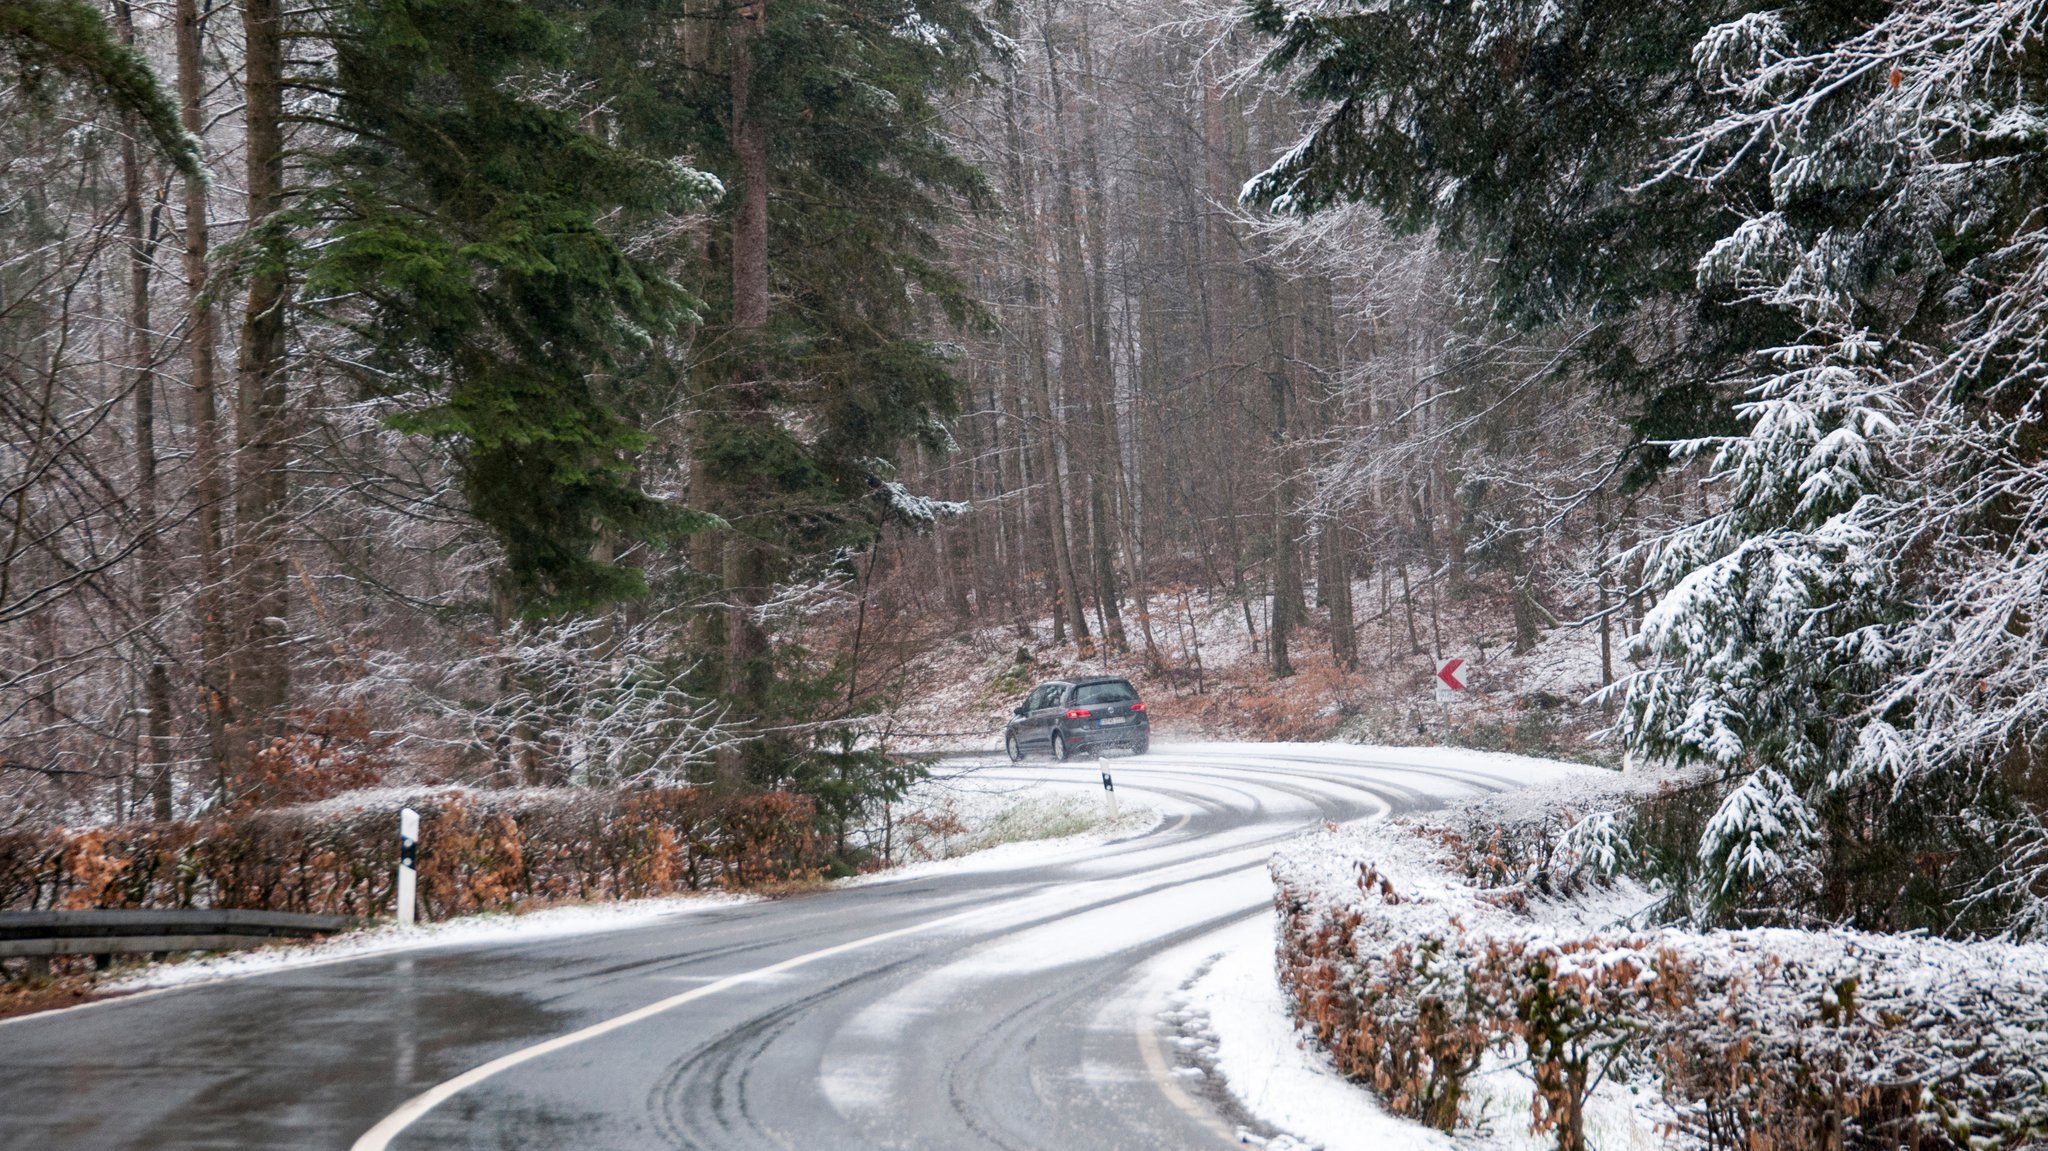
(1007, 1000)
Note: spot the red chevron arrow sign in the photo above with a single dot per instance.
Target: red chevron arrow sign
(1448, 673)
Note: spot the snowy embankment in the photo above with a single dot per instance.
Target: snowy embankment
(971, 805)
(465, 931)
(1486, 971)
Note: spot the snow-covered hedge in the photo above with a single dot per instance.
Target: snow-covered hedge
(479, 850)
(1412, 950)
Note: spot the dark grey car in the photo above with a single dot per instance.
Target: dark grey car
(1066, 718)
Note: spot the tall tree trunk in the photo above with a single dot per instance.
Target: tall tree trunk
(1335, 582)
(261, 676)
(1605, 605)
(1068, 610)
(1224, 257)
(747, 573)
(1287, 590)
(1218, 271)
(1408, 604)
(149, 554)
(744, 560)
(1286, 583)
(1144, 372)
(1071, 603)
(1387, 611)
(1525, 610)
(957, 545)
(1108, 469)
(1031, 462)
(210, 485)
(750, 149)
(1078, 350)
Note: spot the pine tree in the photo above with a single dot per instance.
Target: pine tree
(475, 251)
(1877, 493)
(1782, 624)
(1520, 133)
(71, 39)
(809, 381)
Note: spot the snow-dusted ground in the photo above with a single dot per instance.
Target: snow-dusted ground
(959, 691)
(983, 806)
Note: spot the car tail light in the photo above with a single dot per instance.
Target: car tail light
(1137, 707)
(1079, 713)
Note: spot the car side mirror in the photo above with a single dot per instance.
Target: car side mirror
(1019, 711)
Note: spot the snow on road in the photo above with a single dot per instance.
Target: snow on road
(1232, 1017)
(1134, 884)
(1221, 998)
(1219, 995)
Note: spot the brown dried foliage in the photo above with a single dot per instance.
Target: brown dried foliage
(1751, 1052)
(327, 753)
(479, 851)
(1413, 1015)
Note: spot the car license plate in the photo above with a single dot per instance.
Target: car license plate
(1114, 719)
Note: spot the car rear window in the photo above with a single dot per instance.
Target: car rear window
(1116, 691)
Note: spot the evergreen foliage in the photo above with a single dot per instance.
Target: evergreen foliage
(1829, 286)
(476, 228)
(71, 39)
(861, 180)
(1512, 128)
(1862, 610)
(509, 227)
(1518, 132)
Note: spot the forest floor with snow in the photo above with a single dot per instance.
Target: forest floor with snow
(952, 688)
(962, 809)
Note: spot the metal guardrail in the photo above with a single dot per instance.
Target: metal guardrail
(38, 935)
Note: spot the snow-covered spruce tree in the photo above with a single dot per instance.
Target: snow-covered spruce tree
(1853, 636)
(1778, 631)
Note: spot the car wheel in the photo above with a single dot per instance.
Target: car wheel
(1143, 745)
(1010, 746)
(1059, 747)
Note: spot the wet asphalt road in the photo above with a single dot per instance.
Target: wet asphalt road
(1008, 1005)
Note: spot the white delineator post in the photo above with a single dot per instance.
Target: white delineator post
(1109, 789)
(408, 864)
